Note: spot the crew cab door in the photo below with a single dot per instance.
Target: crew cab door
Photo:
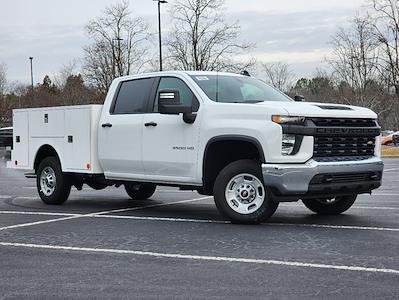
(121, 130)
(170, 145)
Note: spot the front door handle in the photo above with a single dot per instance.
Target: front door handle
(150, 124)
(106, 125)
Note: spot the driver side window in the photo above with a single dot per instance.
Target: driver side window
(187, 97)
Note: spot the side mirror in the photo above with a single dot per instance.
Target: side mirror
(299, 98)
(169, 103)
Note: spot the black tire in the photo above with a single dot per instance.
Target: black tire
(140, 191)
(62, 186)
(229, 173)
(335, 206)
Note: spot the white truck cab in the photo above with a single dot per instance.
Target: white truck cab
(222, 134)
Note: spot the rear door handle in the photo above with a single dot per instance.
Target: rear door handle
(106, 125)
(150, 124)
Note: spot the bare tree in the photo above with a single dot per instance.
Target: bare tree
(202, 40)
(279, 75)
(3, 78)
(67, 70)
(387, 32)
(355, 60)
(120, 46)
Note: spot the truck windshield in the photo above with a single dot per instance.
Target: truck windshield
(237, 89)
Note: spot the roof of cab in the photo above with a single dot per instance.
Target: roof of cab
(171, 73)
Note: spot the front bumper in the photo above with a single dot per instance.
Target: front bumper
(290, 182)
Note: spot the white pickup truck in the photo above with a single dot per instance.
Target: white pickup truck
(226, 135)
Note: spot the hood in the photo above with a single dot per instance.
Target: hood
(314, 109)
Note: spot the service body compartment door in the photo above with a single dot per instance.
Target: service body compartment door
(47, 123)
(20, 152)
(77, 139)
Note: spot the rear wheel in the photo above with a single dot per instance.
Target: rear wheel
(240, 194)
(140, 191)
(53, 185)
(332, 206)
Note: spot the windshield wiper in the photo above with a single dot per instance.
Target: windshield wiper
(248, 101)
(254, 101)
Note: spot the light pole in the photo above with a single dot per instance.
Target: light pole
(31, 72)
(159, 32)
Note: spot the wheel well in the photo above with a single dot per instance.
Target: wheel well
(221, 152)
(42, 153)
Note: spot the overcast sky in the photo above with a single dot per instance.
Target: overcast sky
(296, 31)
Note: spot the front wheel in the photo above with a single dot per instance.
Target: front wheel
(240, 194)
(52, 184)
(140, 191)
(334, 206)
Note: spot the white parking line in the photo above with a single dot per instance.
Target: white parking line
(152, 205)
(355, 206)
(266, 224)
(4, 197)
(393, 169)
(207, 258)
(97, 213)
(336, 226)
(38, 213)
(170, 219)
(27, 198)
(175, 191)
(376, 207)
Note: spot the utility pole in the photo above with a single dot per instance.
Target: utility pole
(159, 32)
(31, 74)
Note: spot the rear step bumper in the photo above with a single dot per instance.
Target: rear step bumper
(317, 179)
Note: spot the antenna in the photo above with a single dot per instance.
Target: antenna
(217, 86)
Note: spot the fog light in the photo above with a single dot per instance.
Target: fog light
(288, 144)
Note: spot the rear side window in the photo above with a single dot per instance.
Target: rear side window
(133, 96)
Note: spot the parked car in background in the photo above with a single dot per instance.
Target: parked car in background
(391, 139)
(6, 137)
(387, 132)
(395, 138)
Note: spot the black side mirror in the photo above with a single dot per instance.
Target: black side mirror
(169, 103)
(299, 98)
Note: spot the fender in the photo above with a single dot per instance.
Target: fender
(50, 147)
(235, 137)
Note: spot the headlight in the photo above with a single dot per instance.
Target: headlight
(288, 120)
(288, 144)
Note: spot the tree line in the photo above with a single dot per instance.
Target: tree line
(363, 66)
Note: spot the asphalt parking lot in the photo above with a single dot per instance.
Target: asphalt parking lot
(100, 244)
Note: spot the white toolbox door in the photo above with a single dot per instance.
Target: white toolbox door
(77, 139)
(47, 123)
(20, 152)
